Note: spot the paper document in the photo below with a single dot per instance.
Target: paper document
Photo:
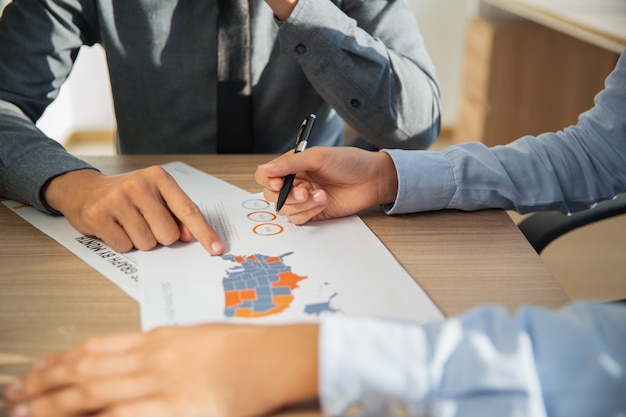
(275, 272)
(120, 268)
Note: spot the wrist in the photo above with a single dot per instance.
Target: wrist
(388, 179)
(57, 190)
(282, 8)
(298, 376)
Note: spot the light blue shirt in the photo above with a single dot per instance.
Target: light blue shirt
(487, 362)
(568, 170)
(490, 362)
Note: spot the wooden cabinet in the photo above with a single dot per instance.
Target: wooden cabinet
(523, 78)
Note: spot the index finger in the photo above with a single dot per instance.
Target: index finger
(190, 216)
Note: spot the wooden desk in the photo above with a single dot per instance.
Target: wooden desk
(50, 299)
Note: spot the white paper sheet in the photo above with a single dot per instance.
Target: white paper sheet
(120, 268)
(276, 272)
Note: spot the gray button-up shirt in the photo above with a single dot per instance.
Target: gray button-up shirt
(360, 61)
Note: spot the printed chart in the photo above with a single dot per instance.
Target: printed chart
(276, 272)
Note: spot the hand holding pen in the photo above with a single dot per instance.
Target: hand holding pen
(302, 139)
(333, 181)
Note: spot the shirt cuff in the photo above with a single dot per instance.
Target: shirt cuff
(425, 181)
(373, 367)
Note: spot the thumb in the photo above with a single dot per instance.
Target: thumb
(279, 167)
(267, 174)
(291, 163)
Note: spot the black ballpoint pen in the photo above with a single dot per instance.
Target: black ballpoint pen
(301, 141)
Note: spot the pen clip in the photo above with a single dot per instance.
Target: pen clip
(300, 135)
(303, 133)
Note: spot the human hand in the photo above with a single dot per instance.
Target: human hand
(138, 209)
(207, 370)
(330, 182)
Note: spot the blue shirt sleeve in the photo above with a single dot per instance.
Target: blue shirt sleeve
(537, 362)
(568, 170)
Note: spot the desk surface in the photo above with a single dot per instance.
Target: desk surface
(50, 299)
(599, 22)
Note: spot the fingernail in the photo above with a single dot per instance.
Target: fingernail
(14, 388)
(319, 197)
(20, 410)
(299, 195)
(217, 247)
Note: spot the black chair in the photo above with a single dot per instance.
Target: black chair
(542, 228)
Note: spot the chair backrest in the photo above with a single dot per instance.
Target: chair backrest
(542, 228)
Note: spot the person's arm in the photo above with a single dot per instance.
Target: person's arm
(39, 43)
(568, 170)
(207, 370)
(138, 209)
(367, 59)
(536, 362)
(29, 160)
